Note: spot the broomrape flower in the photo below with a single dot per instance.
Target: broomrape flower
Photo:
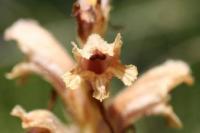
(41, 121)
(92, 17)
(97, 62)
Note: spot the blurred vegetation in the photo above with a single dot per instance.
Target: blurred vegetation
(152, 30)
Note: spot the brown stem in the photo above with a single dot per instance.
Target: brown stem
(52, 100)
(104, 115)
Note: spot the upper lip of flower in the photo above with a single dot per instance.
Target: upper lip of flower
(96, 56)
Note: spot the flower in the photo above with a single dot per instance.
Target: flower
(150, 95)
(92, 17)
(97, 62)
(42, 121)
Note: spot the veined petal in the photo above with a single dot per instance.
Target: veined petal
(94, 43)
(76, 51)
(100, 86)
(85, 4)
(72, 81)
(80, 53)
(117, 44)
(127, 73)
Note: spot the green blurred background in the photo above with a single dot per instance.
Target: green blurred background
(152, 30)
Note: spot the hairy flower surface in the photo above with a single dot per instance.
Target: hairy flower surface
(98, 61)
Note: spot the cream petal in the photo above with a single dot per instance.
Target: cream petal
(78, 53)
(86, 4)
(99, 83)
(127, 73)
(100, 87)
(72, 81)
(94, 42)
(117, 44)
